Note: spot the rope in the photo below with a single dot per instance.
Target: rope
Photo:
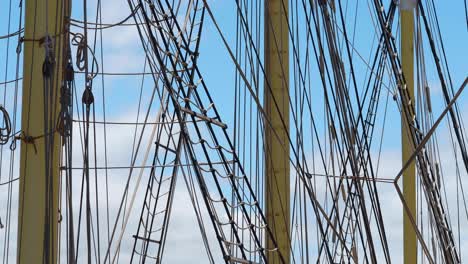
(12, 34)
(77, 23)
(79, 41)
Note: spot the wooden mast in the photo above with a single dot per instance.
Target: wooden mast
(407, 8)
(38, 216)
(277, 178)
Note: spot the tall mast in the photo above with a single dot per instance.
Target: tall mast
(44, 41)
(407, 8)
(277, 178)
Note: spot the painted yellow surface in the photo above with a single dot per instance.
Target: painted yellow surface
(409, 175)
(42, 18)
(277, 178)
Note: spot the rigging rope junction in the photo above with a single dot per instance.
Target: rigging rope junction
(111, 199)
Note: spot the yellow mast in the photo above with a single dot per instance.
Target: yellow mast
(39, 194)
(277, 178)
(407, 8)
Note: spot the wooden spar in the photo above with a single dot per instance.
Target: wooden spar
(38, 215)
(277, 178)
(407, 8)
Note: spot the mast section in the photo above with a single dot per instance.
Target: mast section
(277, 177)
(45, 38)
(410, 251)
